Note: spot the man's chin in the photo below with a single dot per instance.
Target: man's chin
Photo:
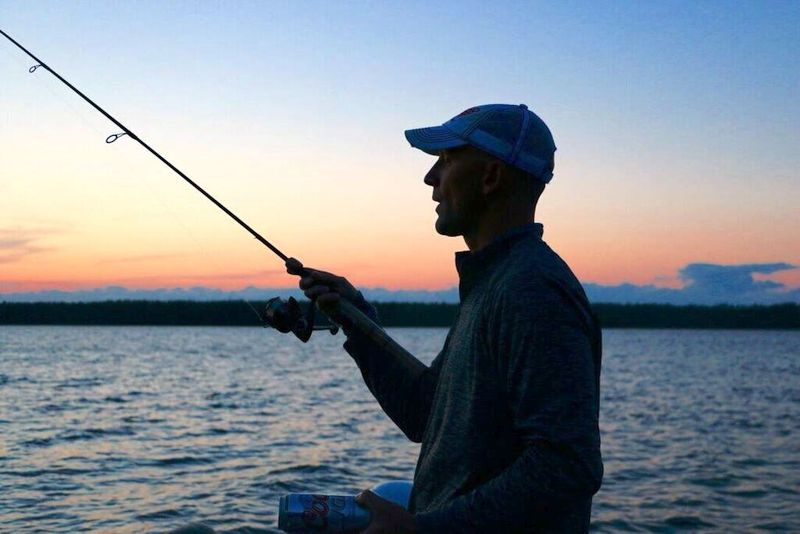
(445, 229)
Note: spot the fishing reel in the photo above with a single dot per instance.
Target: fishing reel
(287, 316)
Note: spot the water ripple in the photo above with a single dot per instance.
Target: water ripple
(145, 429)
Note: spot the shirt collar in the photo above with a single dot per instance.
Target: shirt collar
(471, 264)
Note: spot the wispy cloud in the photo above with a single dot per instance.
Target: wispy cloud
(202, 278)
(17, 244)
(140, 258)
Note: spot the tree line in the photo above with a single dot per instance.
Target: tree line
(391, 314)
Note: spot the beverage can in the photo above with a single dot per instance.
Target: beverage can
(307, 512)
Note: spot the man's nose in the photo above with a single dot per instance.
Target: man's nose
(432, 177)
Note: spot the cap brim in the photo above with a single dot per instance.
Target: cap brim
(434, 139)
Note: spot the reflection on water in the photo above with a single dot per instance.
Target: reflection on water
(145, 429)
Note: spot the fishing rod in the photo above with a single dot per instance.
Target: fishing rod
(285, 316)
(126, 131)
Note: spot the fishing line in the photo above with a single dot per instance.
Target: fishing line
(209, 260)
(127, 132)
(125, 170)
(78, 114)
(285, 317)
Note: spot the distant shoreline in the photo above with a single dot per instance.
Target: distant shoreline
(392, 314)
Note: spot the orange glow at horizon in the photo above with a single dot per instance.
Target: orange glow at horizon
(150, 231)
(229, 261)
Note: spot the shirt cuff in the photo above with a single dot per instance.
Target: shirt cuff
(368, 309)
(364, 307)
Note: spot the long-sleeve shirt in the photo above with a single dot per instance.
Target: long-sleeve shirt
(508, 411)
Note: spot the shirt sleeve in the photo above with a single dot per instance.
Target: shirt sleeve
(546, 345)
(402, 385)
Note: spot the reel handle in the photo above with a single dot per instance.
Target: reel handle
(287, 316)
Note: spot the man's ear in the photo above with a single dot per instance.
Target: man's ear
(493, 177)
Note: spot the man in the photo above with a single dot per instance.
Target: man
(507, 413)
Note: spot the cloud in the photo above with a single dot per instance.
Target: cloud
(707, 283)
(139, 258)
(16, 244)
(710, 279)
(199, 279)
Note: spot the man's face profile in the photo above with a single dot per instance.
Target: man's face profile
(456, 181)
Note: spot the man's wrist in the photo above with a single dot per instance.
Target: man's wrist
(361, 303)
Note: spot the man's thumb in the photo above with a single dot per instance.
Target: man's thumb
(293, 266)
(366, 498)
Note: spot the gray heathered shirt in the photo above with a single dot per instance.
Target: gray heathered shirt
(507, 413)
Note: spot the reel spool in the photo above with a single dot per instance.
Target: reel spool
(287, 316)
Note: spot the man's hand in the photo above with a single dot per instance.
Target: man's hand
(326, 287)
(387, 517)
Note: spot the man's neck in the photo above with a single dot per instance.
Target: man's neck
(492, 228)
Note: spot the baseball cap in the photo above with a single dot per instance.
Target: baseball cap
(513, 134)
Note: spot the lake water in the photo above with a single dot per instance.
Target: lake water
(144, 429)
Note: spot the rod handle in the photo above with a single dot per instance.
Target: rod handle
(349, 315)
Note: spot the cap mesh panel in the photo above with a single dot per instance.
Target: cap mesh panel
(504, 125)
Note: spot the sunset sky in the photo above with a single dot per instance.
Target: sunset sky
(677, 126)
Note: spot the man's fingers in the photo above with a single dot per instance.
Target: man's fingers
(316, 283)
(306, 282)
(366, 498)
(329, 303)
(371, 501)
(317, 291)
(312, 278)
(324, 277)
(293, 266)
(329, 298)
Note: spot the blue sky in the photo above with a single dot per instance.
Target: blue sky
(676, 122)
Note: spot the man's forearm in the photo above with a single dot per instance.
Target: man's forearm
(402, 384)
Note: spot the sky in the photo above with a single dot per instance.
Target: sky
(677, 126)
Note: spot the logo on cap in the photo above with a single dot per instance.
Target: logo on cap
(468, 111)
